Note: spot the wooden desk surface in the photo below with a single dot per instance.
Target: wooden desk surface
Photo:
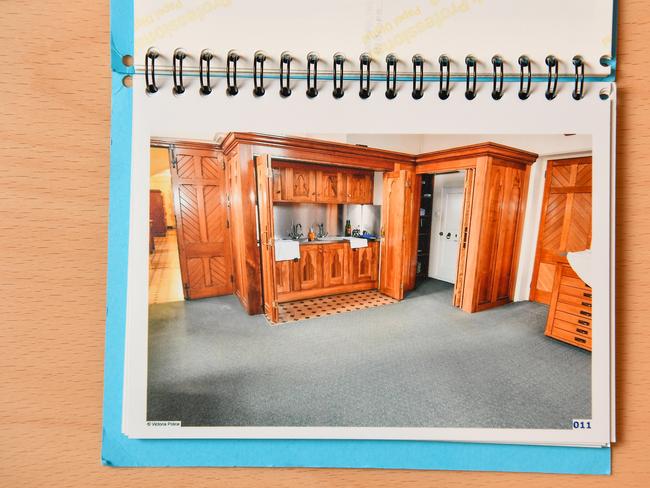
(55, 130)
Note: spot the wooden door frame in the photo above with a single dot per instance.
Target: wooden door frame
(532, 296)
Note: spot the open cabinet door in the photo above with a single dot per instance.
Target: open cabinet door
(264, 175)
(199, 187)
(468, 198)
(393, 232)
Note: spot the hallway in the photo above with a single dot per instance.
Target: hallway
(165, 283)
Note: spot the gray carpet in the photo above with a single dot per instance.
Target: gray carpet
(417, 363)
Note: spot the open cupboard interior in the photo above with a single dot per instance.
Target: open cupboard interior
(228, 198)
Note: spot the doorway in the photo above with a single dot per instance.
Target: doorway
(192, 260)
(440, 234)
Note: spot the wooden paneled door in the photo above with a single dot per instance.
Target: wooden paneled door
(199, 187)
(565, 223)
(394, 226)
(461, 267)
(264, 174)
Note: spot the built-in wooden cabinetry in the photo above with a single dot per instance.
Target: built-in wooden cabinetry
(295, 182)
(326, 269)
(570, 310)
(495, 200)
(358, 187)
(251, 172)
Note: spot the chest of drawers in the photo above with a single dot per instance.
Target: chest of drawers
(570, 313)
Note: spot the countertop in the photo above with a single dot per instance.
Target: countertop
(328, 240)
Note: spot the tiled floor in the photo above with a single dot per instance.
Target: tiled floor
(330, 305)
(165, 283)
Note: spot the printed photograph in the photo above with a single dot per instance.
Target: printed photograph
(370, 280)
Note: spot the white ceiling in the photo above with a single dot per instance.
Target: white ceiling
(544, 145)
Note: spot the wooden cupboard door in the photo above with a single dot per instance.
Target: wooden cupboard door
(267, 233)
(393, 234)
(500, 226)
(283, 276)
(300, 184)
(365, 262)
(565, 223)
(310, 267)
(157, 214)
(279, 191)
(330, 186)
(468, 198)
(199, 188)
(359, 187)
(335, 264)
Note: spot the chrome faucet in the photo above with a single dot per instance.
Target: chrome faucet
(296, 232)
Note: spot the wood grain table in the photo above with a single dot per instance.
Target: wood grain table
(53, 198)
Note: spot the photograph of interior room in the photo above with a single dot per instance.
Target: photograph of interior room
(296, 249)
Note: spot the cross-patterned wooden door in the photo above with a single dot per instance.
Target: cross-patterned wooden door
(565, 223)
(199, 186)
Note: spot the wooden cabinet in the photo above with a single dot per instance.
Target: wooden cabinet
(303, 183)
(335, 264)
(364, 263)
(300, 184)
(283, 276)
(327, 269)
(310, 267)
(359, 187)
(496, 185)
(570, 310)
(330, 186)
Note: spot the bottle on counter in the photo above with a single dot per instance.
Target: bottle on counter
(311, 236)
(348, 228)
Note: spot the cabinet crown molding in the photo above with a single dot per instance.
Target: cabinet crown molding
(492, 149)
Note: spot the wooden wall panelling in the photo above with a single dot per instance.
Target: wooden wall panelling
(565, 221)
(199, 188)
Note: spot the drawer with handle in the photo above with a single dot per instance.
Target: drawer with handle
(575, 339)
(573, 319)
(581, 310)
(578, 301)
(574, 283)
(575, 292)
(578, 330)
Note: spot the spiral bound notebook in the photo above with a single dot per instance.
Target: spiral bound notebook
(362, 234)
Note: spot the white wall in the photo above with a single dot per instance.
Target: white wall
(451, 180)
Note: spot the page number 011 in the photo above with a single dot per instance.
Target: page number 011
(581, 424)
